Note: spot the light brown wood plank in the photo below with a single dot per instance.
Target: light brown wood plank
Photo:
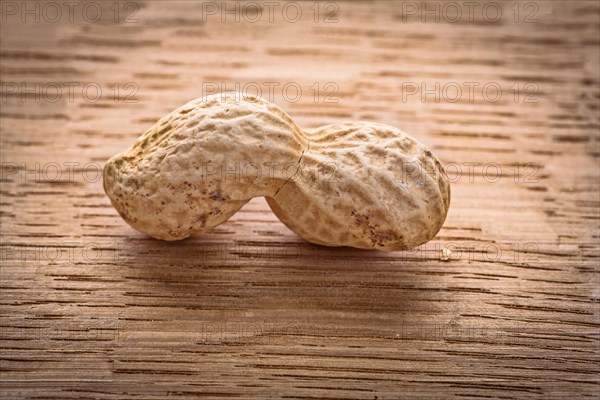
(91, 308)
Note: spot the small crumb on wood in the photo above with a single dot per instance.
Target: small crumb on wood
(445, 254)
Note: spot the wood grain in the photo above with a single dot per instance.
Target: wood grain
(92, 309)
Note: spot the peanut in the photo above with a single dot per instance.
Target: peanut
(358, 191)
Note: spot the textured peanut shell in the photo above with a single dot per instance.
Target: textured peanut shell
(357, 184)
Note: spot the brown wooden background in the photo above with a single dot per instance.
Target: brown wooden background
(92, 309)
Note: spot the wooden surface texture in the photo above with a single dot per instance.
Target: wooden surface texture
(91, 308)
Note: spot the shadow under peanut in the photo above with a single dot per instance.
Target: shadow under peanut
(202, 291)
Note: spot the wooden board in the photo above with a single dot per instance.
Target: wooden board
(92, 309)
